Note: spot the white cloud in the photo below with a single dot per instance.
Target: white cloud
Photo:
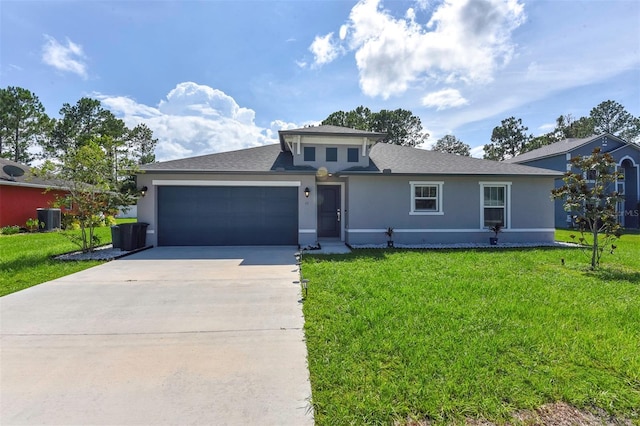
(195, 120)
(128, 107)
(272, 131)
(69, 58)
(477, 152)
(324, 49)
(422, 4)
(547, 127)
(444, 99)
(343, 32)
(463, 41)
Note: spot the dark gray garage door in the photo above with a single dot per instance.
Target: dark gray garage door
(225, 215)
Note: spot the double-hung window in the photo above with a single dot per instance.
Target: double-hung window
(495, 205)
(426, 198)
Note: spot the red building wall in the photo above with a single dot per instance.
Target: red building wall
(19, 203)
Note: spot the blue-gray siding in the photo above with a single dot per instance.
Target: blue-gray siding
(619, 151)
(375, 203)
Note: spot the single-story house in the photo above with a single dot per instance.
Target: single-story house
(21, 194)
(337, 183)
(557, 156)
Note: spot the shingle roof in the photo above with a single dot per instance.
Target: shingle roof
(407, 160)
(399, 159)
(561, 147)
(27, 178)
(267, 158)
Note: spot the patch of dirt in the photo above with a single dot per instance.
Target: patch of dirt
(556, 414)
(561, 414)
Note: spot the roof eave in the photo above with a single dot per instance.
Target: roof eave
(33, 185)
(227, 172)
(542, 157)
(381, 173)
(347, 134)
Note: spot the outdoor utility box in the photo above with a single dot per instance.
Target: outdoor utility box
(52, 219)
(132, 236)
(115, 237)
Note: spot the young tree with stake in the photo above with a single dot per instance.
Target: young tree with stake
(590, 197)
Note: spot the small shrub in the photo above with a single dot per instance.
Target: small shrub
(109, 221)
(70, 222)
(10, 230)
(34, 224)
(96, 221)
(73, 226)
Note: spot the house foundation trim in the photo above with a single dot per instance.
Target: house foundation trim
(427, 230)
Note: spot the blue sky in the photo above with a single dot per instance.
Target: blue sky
(211, 76)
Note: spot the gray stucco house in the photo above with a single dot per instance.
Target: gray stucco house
(329, 182)
(557, 156)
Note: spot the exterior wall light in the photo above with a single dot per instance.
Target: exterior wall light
(143, 191)
(307, 191)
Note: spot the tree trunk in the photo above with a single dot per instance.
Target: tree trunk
(594, 254)
(16, 147)
(91, 228)
(83, 232)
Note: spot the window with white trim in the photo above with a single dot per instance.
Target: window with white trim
(495, 204)
(426, 198)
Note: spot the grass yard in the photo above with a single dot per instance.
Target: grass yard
(447, 336)
(26, 259)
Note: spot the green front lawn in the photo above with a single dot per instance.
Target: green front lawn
(26, 259)
(449, 335)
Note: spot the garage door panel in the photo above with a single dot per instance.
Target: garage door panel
(227, 215)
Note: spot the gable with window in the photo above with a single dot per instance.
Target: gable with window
(426, 198)
(495, 204)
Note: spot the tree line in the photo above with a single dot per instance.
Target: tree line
(508, 139)
(511, 137)
(27, 133)
(401, 126)
(87, 151)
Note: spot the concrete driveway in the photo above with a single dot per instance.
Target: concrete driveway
(171, 335)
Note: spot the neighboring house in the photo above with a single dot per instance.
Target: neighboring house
(22, 194)
(557, 156)
(337, 183)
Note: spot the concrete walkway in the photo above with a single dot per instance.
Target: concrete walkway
(203, 335)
